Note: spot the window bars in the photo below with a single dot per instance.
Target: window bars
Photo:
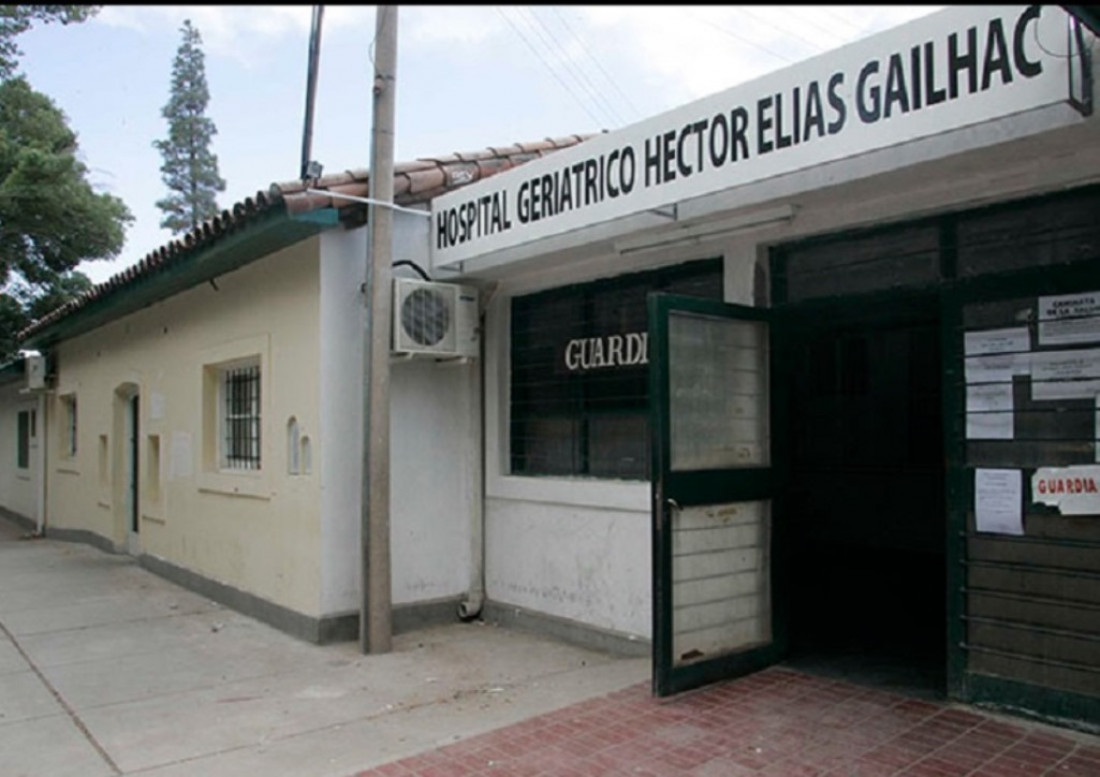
(241, 388)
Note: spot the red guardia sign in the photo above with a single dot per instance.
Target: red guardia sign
(1073, 490)
(1066, 485)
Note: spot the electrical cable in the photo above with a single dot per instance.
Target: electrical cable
(587, 50)
(742, 38)
(553, 72)
(570, 67)
(818, 48)
(855, 28)
(416, 267)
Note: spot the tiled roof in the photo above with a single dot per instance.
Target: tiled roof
(414, 182)
(423, 179)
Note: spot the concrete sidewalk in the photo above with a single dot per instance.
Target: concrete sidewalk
(106, 669)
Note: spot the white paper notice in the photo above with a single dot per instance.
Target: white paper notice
(181, 454)
(989, 412)
(1011, 340)
(156, 406)
(1048, 390)
(1069, 318)
(1065, 374)
(998, 501)
(997, 367)
(1066, 365)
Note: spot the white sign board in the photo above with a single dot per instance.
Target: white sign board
(1070, 318)
(1073, 490)
(959, 67)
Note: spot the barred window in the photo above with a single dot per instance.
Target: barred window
(579, 381)
(241, 417)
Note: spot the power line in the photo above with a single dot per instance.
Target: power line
(856, 29)
(553, 72)
(817, 47)
(742, 38)
(579, 76)
(569, 28)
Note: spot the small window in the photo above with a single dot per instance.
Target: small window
(152, 467)
(104, 462)
(68, 426)
(293, 437)
(307, 456)
(240, 416)
(23, 439)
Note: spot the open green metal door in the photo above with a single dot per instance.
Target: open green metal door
(713, 492)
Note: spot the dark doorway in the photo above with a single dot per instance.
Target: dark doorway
(865, 517)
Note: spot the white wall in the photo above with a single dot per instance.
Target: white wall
(18, 487)
(434, 433)
(341, 362)
(256, 530)
(586, 564)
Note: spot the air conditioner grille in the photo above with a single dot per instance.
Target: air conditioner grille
(426, 316)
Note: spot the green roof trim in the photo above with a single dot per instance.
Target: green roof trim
(263, 235)
(326, 217)
(12, 371)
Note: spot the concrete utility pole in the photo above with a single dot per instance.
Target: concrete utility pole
(375, 613)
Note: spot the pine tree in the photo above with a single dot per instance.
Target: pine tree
(190, 169)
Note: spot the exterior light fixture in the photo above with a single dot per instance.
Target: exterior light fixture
(708, 230)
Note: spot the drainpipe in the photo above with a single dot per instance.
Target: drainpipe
(471, 607)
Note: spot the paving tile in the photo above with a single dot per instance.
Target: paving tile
(777, 723)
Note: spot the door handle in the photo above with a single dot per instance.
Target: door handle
(674, 504)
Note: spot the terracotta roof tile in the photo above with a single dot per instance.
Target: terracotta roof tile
(416, 181)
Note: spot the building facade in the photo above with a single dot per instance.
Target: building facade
(858, 417)
(878, 449)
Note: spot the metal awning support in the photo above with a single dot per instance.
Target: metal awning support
(1080, 71)
(1086, 14)
(369, 201)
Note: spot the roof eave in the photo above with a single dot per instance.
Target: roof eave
(267, 233)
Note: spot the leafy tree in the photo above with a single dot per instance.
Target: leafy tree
(190, 169)
(51, 218)
(22, 304)
(17, 19)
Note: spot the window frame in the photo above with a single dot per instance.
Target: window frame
(229, 461)
(583, 391)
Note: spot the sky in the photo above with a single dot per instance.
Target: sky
(468, 77)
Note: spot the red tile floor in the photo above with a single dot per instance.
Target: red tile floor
(775, 722)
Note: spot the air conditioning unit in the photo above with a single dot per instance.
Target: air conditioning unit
(434, 319)
(35, 370)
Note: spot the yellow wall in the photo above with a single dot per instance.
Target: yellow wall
(255, 531)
